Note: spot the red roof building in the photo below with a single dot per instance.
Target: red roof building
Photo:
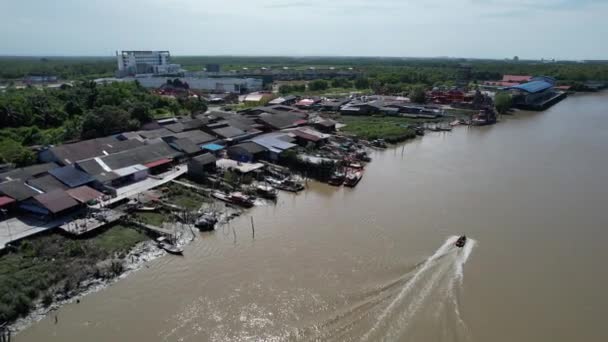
(5, 200)
(516, 78)
(84, 194)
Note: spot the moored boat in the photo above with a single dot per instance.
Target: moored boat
(206, 222)
(266, 191)
(353, 178)
(168, 246)
(336, 179)
(236, 198)
(241, 199)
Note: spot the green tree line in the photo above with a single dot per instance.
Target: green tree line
(86, 110)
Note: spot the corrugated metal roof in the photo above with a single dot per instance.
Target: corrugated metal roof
(129, 170)
(185, 145)
(27, 172)
(250, 147)
(17, 190)
(93, 168)
(212, 147)
(158, 162)
(84, 194)
(71, 176)
(46, 183)
(141, 155)
(228, 132)
(71, 153)
(197, 137)
(533, 87)
(204, 159)
(5, 200)
(56, 201)
(273, 142)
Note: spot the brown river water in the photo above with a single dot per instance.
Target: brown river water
(377, 262)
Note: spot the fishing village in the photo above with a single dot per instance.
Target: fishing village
(116, 201)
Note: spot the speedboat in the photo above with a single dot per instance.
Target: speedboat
(461, 241)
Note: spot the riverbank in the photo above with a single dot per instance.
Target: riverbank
(46, 271)
(391, 129)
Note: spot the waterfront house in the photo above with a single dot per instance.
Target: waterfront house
(51, 204)
(276, 143)
(70, 153)
(46, 183)
(27, 172)
(274, 122)
(201, 166)
(71, 176)
(287, 100)
(246, 152)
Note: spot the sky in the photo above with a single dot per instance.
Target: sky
(530, 29)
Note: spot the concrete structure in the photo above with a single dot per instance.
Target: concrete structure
(145, 62)
(220, 85)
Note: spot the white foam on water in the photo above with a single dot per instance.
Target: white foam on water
(440, 273)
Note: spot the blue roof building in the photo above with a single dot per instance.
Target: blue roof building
(537, 94)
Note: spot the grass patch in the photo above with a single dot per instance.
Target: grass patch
(392, 129)
(185, 197)
(49, 265)
(117, 239)
(161, 113)
(153, 218)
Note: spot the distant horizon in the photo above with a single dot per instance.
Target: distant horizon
(506, 59)
(568, 30)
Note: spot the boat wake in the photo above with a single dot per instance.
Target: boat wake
(421, 305)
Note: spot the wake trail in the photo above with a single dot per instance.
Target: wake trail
(407, 288)
(437, 276)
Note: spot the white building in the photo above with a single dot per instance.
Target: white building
(145, 62)
(221, 85)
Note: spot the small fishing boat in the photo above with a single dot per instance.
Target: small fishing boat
(287, 184)
(336, 179)
(164, 243)
(354, 165)
(455, 123)
(241, 199)
(206, 222)
(353, 178)
(461, 241)
(266, 191)
(379, 143)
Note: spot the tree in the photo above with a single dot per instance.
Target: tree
(13, 152)
(362, 83)
(141, 111)
(318, 85)
(503, 102)
(107, 120)
(418, 95)
(193, 104)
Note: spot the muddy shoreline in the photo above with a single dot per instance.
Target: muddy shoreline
(137, 257)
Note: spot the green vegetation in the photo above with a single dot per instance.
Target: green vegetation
(153, 218)
(503, 102)
(45, 266)
(63, 67)
(292, 88)
(185, 197)
(318, 85)
(392, 129)
(418, 95)
(50, 116)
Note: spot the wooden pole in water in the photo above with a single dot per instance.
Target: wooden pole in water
(252, 228)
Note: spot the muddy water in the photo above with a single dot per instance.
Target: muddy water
(378, 263)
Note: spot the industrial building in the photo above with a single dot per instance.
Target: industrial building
(145, 62)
